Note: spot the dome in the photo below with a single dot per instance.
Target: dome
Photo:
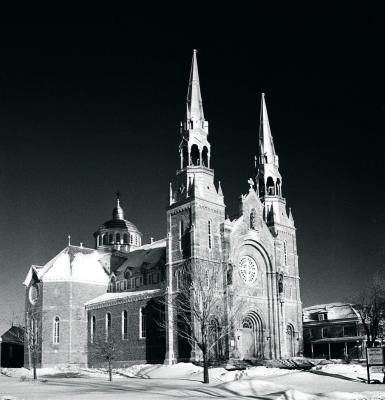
(118, 233)
(120, 224)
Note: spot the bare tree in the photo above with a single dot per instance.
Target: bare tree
(33, 339)
(199, 308)
(107, 350)
(370, 305)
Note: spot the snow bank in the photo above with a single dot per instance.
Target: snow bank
(352, 371)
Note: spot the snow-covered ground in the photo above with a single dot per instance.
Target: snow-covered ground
(330, 381)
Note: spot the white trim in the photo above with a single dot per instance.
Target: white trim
(141, 316)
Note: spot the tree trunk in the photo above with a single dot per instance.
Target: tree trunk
(109, 371)
(34, 372)
(205, 368)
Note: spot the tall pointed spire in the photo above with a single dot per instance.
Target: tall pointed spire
(266, 143)
(194, 98)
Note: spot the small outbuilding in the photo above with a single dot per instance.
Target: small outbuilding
(12, 348)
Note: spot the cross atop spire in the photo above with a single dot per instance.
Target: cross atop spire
(194, 98)
(267, 151)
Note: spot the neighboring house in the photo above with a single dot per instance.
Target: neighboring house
(84, 297)
(12, 347)
(333, 330)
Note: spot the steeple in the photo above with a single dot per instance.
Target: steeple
(194, 97)
(266, 144)
(194, 147)
(269, 181)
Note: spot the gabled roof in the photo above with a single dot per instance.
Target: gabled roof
(147, 256)
(334, 311)
(73, 263)
(15, 334)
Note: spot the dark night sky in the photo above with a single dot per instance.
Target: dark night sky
(91, 105)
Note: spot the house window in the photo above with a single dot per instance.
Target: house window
(322, 316)
(93, 328)
(56, 326)
(108, 327)
(209, 233)
(325, 332)
(350, 330)
(131, 239)
(125, 238)
(118, 238)
(124, 325)
(142, 323)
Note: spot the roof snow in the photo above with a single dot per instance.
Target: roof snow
(122, 297)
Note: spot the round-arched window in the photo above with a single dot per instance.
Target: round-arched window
(248, 269)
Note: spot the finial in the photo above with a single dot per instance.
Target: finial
(117, 212)
(151, 240)
(251, 183)
(69, 240)
(81, 245)
(195, 51)
(220, 189)
(118, 198)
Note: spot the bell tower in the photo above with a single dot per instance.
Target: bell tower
(196, 208)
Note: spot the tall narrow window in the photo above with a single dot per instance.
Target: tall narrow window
(209, 234)
(180, 234)
(285, 252)
(118, 238)
(110, 238)
(125, 238)
(56, 327)
(108, 327)
(34, 331)
(142, 323)
(93, 328)
(124, 325)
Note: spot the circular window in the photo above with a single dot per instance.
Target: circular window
(33, 294)
(248, 269)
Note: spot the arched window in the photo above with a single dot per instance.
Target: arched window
(125, 238)
(142, 323)
(117, 238)
(205, 159)
(279, 187)
(108, 327)
(98, 241)
(194, 155)
(270, 187)
(209, 234)
(56, 327)
(34, 331)
(105, 237)
(111, 238)
(93, 329)
(124, 325)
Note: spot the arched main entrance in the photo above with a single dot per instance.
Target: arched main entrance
(252, 337)
(290, 342)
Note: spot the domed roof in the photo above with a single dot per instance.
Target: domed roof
(120, 224)
(118, 221)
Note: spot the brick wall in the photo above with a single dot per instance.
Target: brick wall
(133, 349)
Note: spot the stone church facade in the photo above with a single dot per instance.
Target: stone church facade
(84, 298)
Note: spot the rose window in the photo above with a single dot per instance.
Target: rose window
(248, 269)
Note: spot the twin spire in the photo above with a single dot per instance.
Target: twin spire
(194, 97)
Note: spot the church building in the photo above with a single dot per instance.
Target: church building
(85, 298)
